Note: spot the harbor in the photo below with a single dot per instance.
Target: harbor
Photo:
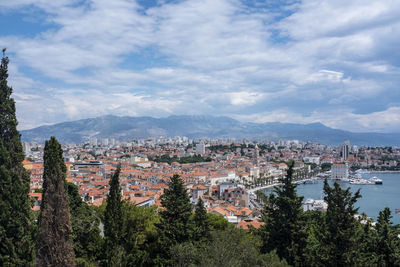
(374, 198)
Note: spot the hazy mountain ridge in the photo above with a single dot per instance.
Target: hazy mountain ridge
(127, 128)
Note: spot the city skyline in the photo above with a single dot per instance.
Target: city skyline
(297, 61)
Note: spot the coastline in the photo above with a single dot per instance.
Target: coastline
(277, 184)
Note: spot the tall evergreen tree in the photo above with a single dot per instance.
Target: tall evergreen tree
(283, 217)
(16, 242)
(113, 222)
(177, 210)
(175, 226)
(54, 244)
(341, 242)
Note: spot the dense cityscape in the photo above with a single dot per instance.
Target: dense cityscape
(225, 173)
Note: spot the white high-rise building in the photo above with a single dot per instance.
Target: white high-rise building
(345, 149)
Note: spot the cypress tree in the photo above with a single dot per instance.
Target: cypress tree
(113, 222)
(283, 216)
(16, 243)
(54, 244)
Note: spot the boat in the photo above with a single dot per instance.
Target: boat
(360, 181)
(376, 180)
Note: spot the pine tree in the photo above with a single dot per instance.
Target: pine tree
(54, 244)
(113, 222)
(175, 217)
(388, 243)
(201, 222)
(175, 226)
(282, 215)
(16, 243)
(341, 242)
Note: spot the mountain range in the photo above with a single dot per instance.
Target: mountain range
(196, 127)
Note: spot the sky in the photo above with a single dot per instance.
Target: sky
(336, 62)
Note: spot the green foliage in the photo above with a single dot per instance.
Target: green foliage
(177, 210)
(388, 242)
(342, 229)
(113, 222)
(368, 243)
(201, 222)
(16, 227)
(313, 220)
(175, 225)
(85, 228)
(337, 239)
(230, 247)
(326, 167)
(218, 222)
(282, 215)
(139, 236)
(216, 148)
(182, 160)
(54, 244)
(185, 254)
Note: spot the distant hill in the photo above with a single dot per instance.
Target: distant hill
(128, 128)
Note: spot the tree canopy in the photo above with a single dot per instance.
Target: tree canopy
(16, 226)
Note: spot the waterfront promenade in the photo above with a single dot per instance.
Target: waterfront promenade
(252, 190)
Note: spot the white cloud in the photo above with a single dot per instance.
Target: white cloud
(326, 75)
(244, 98)
(381, 121)
(215, 57)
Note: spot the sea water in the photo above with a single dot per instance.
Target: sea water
(374, 197)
